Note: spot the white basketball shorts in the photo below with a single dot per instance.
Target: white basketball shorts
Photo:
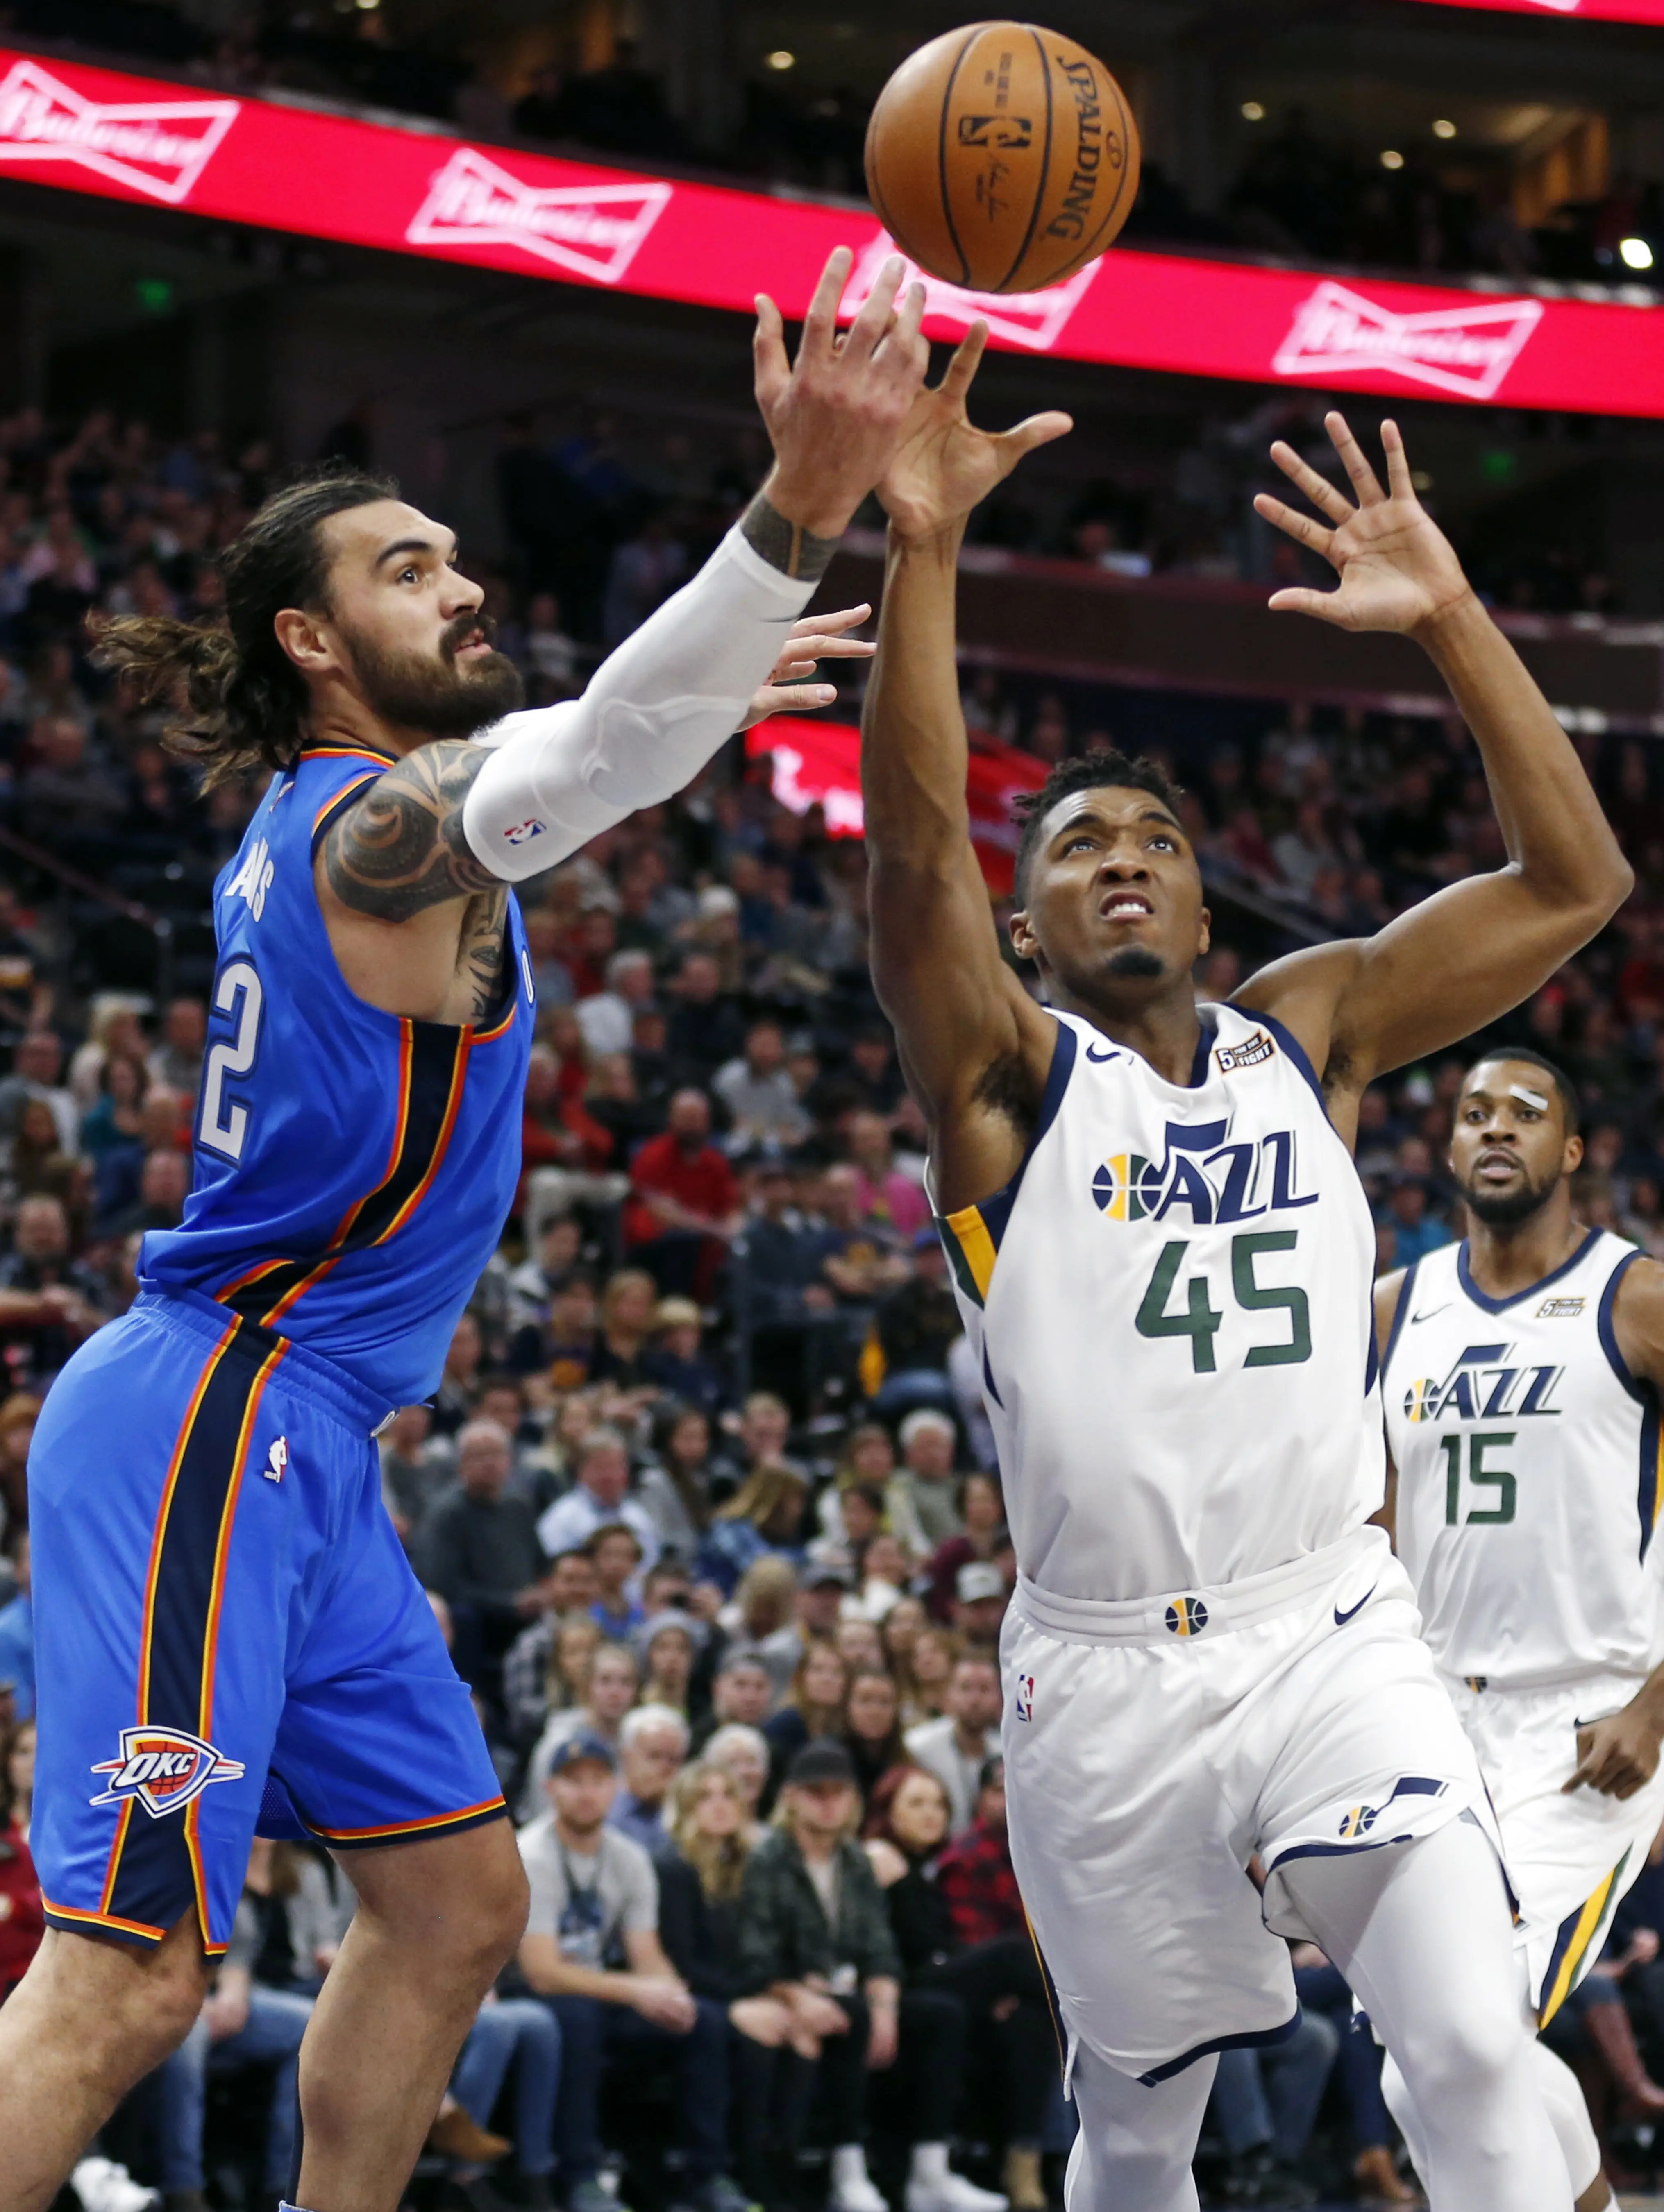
(1570, 1859)
(1154, 1745)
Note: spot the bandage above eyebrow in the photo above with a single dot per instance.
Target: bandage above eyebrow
(1532, 1099)
(655, 712)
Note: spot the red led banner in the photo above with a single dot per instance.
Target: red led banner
(406, 191)
(818, 764)
(1611, 11)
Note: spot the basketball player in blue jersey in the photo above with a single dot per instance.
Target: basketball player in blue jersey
(1164, 1259)
(1520, 1372)
(231, 1641)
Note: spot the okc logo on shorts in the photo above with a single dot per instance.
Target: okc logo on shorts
(1025, 1698)
(1188, 1617)
(164, 1768)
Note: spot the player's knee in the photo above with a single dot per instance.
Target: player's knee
(149, 2012)
(1464, 2060)
(484, 1929)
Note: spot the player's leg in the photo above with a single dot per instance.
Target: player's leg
(1569, 2115)
(436, 1920)
(156, 1706)
(1134, 2148)
(380, 1755)
(1422, 1933)
(89, 2019)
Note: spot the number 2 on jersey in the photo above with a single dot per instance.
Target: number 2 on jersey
(223, 1124)
(1200, 1318)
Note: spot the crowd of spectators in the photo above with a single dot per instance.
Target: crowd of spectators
(706, 1498)
(1300, 195)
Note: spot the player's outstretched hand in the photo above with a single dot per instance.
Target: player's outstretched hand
(944, 465)
(1618, 1755)
(1396, 569)
(816, 637)
(834, 413)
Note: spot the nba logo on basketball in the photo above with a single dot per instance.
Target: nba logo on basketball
(1025, 1700)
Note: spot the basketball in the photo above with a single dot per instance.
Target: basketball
(1003, 157)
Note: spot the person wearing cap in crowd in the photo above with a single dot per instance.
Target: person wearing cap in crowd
(601, 1497)
(653, 1743)
(980, 1597)
(957, 1748)
(592, 1952)
(673, 1361)
(928, 1440)
(814, 1932)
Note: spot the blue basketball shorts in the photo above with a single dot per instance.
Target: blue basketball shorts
(229, 1641)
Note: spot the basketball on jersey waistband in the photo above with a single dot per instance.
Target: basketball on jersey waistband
(1206, 1613)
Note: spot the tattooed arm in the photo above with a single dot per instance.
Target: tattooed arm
(401, 848)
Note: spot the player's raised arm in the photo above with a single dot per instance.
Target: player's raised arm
(1361, 1008)
(974, 1045)
(455, 817)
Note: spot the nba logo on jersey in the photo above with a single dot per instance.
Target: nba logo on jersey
(523, 832)
(1025, 1698)
(1189, 1617)
(164, 1768)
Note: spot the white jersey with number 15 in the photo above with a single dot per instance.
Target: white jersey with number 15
(1528, 1475)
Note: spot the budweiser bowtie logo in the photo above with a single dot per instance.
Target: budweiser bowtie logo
(593, 229)
(1035, 319)
(1467, 350)
(158, 147)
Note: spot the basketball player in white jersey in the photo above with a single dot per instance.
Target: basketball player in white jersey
(1520, 1376)
(1164, 1259)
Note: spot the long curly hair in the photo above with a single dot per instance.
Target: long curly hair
(237, 702)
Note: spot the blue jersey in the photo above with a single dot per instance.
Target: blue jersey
(353, 1168)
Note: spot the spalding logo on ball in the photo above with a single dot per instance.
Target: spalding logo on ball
(1002, 157)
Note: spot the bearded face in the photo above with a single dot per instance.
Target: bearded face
(438, 695)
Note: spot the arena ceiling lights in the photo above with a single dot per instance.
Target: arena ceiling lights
(419, 192)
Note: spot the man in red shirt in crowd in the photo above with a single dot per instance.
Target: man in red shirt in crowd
(687, 1202)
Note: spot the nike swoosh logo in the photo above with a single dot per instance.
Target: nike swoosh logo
(1101, 1056)
(1341, 1618)
(1431, 1310)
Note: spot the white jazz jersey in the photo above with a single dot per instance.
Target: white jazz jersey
(1528, 1473)
(1170, 1303)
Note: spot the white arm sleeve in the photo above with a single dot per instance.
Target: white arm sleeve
(654, 713)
